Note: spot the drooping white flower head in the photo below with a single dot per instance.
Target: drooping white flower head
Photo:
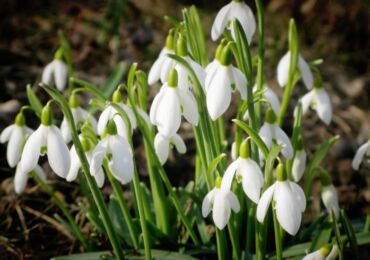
(21, 177)
(299, 161)
(220, 79)
(56, 71)
(80, 115)
(15, 134)
(271, 98)
(46, 139)
(323, 253)
(247, 171)
(329, 195)
(319, 100)
(162, 146)
(169, 104)
(361, 152)
(76, 163)
(221, 201)
(163, 64)
(288, 200)
(270, 131)
(234, 10)
(304, 68)
(117, 151)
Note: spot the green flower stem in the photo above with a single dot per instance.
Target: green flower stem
(98, 197)
(123, 206)
(76, 230)
(221, 244)
(279, 250)
(234, 241)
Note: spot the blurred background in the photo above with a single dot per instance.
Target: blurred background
(103, 33)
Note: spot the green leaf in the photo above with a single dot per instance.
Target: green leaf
(212, 166)
(114, 79)
(34, 101)
(350, 233)
(89, 87)
(254, 135)
(131, 76)
(315, 162)
(269, 166)
(323, 236)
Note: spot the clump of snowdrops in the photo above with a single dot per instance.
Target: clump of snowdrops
(246, 199)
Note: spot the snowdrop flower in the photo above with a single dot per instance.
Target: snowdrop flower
(218, 85)
(56, 71)
(169, 104)
(15, 134)
(163, 64)
(361, 152)
(162, 146)
(289, 202)
(319, 100)
(247, 171)
(299, 161)
(185, 82)
(76, 163)
(221, 201)
(118, 153)
(46, 139)
(21, 177)
(236, 9)
(323, 253)
(270, 131)
(80, 115)
(329, 195)
(304, 68)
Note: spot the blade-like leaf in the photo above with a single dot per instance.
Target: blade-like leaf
(34, 101)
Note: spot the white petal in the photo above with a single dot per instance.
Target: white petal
(144, 116)
(220, 22)
(199, 71)
(60, 74)
(273, 99)
(189, 106)
(75, 165)
(168, 64)
(97, 157)
(162, 147)
(66, 132)
(283, 70)
(264, 203)
(252, 179)
(155, 104)
(6, 133)
(31, 150)
(121, 126)
(179, 143)
(299, 195)
(240, 82)
(360, 155)
(40, 172)
(84, 115)
(155, 70)
(20, 180)
(58, 154)
(306, 101)
(233, 201)
(329, 197)
(99, 178)
(323, 106)
(234, 152)
(47, 74)
(219, 93)
(228, 177)
(122, 164)
(266, 134)
(130, 115)
(244, 14)
(184, 82)
(211, 71)
(333, 253)
(15, 145)
(287, 211)
(221, 209)
(306, 73)
(103, 119)
(284, 140)
(316, 255)
(207, 202)
(299, 164)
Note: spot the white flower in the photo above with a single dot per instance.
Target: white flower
(234, 10)
(118, 153)
(319, 100)
(15, 134)
(21, 177)
(80, 115)
(221, 201)
(271, 131)
(329, 197)
(161, 67)
(168, 106)
(323, 254)
(56, 71)
(162, 146)
(185, 82)
(221, 76)
(76, 165)
(333, 253)
(316, 255)
(46, 139)
(289, 201)
(299, 164)
(364, 149)
(247, 171)
(233, 152)
(283, 71)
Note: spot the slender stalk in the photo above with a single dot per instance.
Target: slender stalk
(279, 250)
(221, 244)
(76, 230)
(234, 242)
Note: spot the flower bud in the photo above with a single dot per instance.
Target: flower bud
(181, 46)
(117, 96)
(59, 54)
(170, 40)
